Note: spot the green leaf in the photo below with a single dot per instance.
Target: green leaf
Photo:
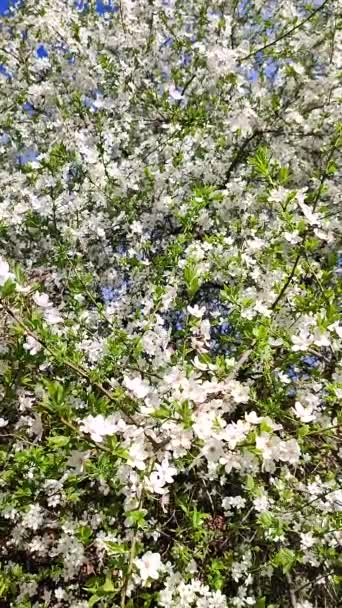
(250, 483)
(93, 600)
(261, 161)
(285, 558)
(137, 518)
(260, 603)
(84, 533)
(115, 548)
(7, 288)
(192, 279)
(108, 585)
(58, 441)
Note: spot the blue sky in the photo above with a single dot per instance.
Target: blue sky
(4, 5)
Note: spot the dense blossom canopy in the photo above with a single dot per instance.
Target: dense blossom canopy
(169, 270)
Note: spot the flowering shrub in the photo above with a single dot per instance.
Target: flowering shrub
(169, 358)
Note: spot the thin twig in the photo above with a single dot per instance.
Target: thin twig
(288, 281)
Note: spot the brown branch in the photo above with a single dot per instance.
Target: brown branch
(288, 281)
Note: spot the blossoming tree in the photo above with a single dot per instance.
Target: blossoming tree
(169, 357)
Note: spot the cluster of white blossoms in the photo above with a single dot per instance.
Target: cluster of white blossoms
(170, 333)
(189, 595)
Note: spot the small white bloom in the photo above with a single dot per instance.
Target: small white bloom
(284, 378)
(175, 93)
(337, 327)
(32, 345)
(213, 450)
(77, 460)
(252, 418)
(307, 540)
(292, 237)
(137, 455)
(98, 427)
(136, 227)
(149, 566)
(5, 273)
(162, 475)
(234, 502)
(33, 518)
(196, 311)
(60, 593)
(312, 218)
(289, 451)
(239, 392)
(260, 503)
(305, 414)
(3, 422)
(137, 386)
(321, 338)
(52, 316)
(42, 300)
(301, 342)
(338, 392)
(262, 309)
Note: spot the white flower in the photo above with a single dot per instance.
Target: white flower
(262, 309)
(213, 450)
(289, 451)
(196, 311)
(301, 342)
(33, 518)
(137, 227)
(252, 418)
(32, 345)
(239, 392)
(52, 316)
(284, 378)
(321, 338)
(337, 327)
(307, 540)
(260, 503)
(313, 218)
(236, 502)
(221, 60)
(42, 300)
(256, 244)
(162, 474)
(235, 432)
(137, 386)
(305, 414)
(175, 93)
(5, 274)
(60, 593)
(77, 460)
(98, 427)
(137, 455)
(338, 392)
(273, 448)
(149, 566)
(292, 237)
(3, 422)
